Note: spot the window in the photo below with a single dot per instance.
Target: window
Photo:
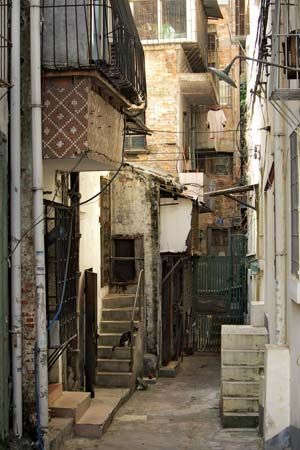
(212, 163)
(162, 20)
(218, 241)
(212, 46)
(136, 142)
(123, 268)
(241, 18)
(225, 94)
(294, 205)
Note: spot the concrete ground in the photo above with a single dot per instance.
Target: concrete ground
(179, 413)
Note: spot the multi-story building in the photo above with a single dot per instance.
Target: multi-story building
(181, 39)
(273, 145)
(92, 78)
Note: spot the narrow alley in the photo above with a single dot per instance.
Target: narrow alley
(179, 413)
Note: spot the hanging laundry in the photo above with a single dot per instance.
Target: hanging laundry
(216, 121)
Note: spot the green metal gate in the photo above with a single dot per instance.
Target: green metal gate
(219, 294)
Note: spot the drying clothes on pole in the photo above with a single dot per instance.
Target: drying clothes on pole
(216, 121)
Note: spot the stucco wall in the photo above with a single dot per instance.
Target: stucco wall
(135, 211)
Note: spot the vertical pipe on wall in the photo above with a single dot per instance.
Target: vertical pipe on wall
(39, 247)
(280, 232)
(15, 205)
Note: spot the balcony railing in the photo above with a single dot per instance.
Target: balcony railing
(93, 35)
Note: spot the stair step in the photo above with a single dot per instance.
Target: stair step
(108, 339)
(117, 300)
(54, 392)
(101, 412)
(240, 420)
(114, 379)
(240, 389)
(71, 404)
(240, 404)
(60, 429)
(244, 337)
(115, 314)
(105, 352)
(241, 373)
(116, 326)
(242, 357)
(113, 365)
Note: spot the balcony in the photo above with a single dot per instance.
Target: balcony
(285, 84)
(176, 22)
(96, 36)
(199, 88)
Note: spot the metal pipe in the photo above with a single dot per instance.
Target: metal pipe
(39, 248)
(280, 232)
(15, 222)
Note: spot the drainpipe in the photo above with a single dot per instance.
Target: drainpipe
(15, 222)
(280, 231)
(38, 213)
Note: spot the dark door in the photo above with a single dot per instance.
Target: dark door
(167, 305)
(90, 329)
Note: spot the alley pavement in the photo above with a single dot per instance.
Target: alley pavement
(179, 413)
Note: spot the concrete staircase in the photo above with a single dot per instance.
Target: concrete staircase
(77, 412)
(242, 365)
(115, 368)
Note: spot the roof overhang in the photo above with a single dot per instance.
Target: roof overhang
(212, 9)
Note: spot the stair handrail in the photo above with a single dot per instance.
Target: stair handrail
(137, 296)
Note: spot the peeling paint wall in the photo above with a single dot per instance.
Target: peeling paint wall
(135, 211)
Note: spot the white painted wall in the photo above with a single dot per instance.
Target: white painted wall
(175, 224)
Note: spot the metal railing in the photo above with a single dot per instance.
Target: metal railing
(93, 35)
(5, 43)
(138, 296)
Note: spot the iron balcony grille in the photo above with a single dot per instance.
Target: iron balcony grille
(80, 34)
(5, 43)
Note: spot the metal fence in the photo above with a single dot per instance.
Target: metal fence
(219, 293)
(93, 35)
(61, 277)
(5, 43)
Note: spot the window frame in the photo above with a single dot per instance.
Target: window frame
(294, 214)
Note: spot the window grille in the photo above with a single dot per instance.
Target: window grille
(161, 20)
(241, 18)
(212, 47)
(225, 92)
(5, 43)
(294, 205)
(214, 164)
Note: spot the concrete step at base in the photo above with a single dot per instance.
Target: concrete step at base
(113, 365)
(118, 301)
(240, 389)
(103, 408)
(116, 326)
(241, 373)
(240, 420)
(114, 379)
(54, 392)
(118, 314)
(60, 429)
(105, 352)
(244, 337)
(110, 339)
(242, 357)
(240, 404)
(71, 404)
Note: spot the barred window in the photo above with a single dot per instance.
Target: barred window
(225, 94)
(294, 205)
(4, 42)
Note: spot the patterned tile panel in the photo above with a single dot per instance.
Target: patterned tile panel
(65, 117)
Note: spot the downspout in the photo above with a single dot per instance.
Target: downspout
(38, 213)
(280, 232)
(15, 221)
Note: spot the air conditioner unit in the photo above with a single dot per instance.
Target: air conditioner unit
(135, 143)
